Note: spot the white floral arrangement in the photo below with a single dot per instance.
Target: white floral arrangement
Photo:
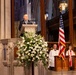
(32, 48)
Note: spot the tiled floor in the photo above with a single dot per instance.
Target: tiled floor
(61, 72)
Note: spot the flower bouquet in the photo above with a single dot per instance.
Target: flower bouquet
(32, 48)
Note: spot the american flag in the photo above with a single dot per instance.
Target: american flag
(61, 40)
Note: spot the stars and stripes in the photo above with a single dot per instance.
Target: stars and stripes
(61, 41)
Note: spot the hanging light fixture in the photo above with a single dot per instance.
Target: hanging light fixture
(63, 5)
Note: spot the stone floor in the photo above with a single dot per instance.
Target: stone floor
(61, 72)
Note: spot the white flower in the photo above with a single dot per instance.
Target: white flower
(23, 41)
(21, 45)
(28, 43)
(43, 45)
(37, 57)
(22, 38)
(31, 47)
(47, 55)
(45, 50)
(24, 49)
(33, 59)
(29, 50)
(18, 54)
(31, 41)
(22, 57)
(40, 52)
(46, 59)
(34, 49)
(32, 55)
(33, 52)
(23, 54)
(28, 54)
(40, 40)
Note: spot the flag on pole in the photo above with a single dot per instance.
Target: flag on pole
(61, 40)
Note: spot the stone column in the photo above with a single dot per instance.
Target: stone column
(5, 21)
(11, 57)
(29, 10)
(2, 30)
(1, 58)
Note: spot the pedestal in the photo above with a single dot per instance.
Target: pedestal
(29, 70)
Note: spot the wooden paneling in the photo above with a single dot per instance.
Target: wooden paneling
(74, 62)
(42, 19)
(66, 63)
(58, 65)
(71, 36)
(12, 19)
(15, 52)
(75, 35)
(61, 64)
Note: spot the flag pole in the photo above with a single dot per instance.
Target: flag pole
(71, 36)
(62, 36)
